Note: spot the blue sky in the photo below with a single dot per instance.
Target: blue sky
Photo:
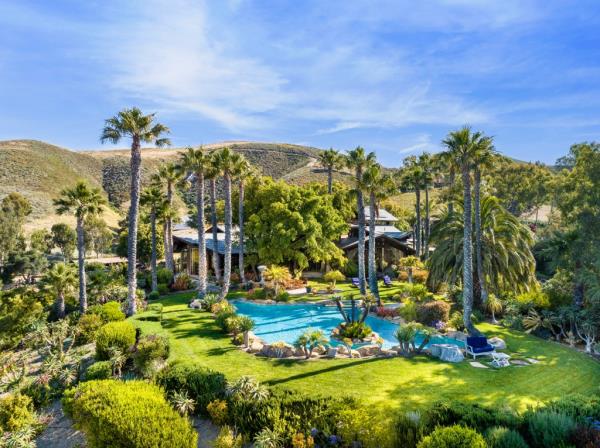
(392, 76)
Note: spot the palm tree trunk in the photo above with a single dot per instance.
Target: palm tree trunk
(60, 305)
(153, 258)
(213, 223)
(241, 231)
(418, 222)
(478, 256)
(228, 224)
(135, 165)
(450, 201)
(81, 266)
(467, 254)
(201, 234)
(329, 179)
(361, 242)
(168, 232)
(372, 265)
(427, 225)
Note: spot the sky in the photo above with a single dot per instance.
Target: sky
(392, 76)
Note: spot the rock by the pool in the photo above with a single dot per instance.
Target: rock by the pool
(369, 350)
(332, 352)
(498, 343)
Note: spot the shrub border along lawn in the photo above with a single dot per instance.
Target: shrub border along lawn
(411, 383)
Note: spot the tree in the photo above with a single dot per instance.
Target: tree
(462, 146)
(330, 159)
(278, 276)
(359, 160)
(212, 174)
(508, 264)
(168, 175)
(65, 238)
(408, 264)
(140, 128)
(153, 199)
(60, 280)
(144, 241)
(428, 164)
(14, 209)
(82, 201)
(198, 162)
(28, 264)
(98, 237)
(41, 241)
(242, 171)
(412, 176)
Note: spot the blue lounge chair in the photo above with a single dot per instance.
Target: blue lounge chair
(387, 281)
(355, 282)
(479, 346)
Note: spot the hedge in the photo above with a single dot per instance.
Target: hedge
(114, 335)
(132, 414)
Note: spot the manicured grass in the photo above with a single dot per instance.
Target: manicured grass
(344, 289)
(387, 383)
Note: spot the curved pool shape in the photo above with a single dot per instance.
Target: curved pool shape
(286, 322)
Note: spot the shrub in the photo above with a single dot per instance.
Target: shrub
(16, 412)
(100, 370)
(414, 291)
(409, 311)
(109, 312)
(114, 335)
(164, 275)
(420, 276)
(533, 299)
(586, 436)
(430, 312)
(468, 414)
(154, 295)
(456, 320)
(163, 289)
(283, 296)
(127, 414)
(546, 428)
(222, 317)
(268, 438)
(41, 394)
(359, 427)
(221, 306)
(453, 437)
(233, 324)
(182, 282)
(228, 439)
(355, 330)
(150, 352)
(386, 312)
(201, 384)
(576, 405)
(332, 277)
(87, 327)
(408, 430)
(501, 437)
(257, 294)
(299, 440)
(217, 411)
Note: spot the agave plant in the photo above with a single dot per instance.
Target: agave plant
(182, 402)
(247, 388)
(268, 438)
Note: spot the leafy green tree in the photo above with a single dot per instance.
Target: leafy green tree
(359, 160)
(330, 159)
(41, 241)
(65, 238)
(20, 308)
(98, 237)
(83, 201)
(153, 199)
(198, 162)
(27, 264)
(140, 128)
(14, 209)
(60, 281)
(144, 241)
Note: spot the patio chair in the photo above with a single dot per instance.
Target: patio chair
(387, 281)
(478, 346)
(355, 282)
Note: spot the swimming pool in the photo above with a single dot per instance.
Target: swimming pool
(286, 322)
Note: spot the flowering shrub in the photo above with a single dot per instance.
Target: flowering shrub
(387, 312)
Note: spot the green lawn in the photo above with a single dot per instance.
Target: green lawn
(388, 383)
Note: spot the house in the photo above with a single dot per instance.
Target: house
(391, 244)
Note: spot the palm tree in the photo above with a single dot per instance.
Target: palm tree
(359, 160)
(226, 161)
(412, 177)
(378, 186)
(330, 159)
(212, 174)
(157, 204)
(60, 280)
(198, 162)
(169, 174)
(140, 128)
(483, 158)
(507, 260)
(461, 147)
(428, 165)
(242, 171)
(82, 201)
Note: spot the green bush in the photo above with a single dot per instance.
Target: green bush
(501, 437)
(408, 430)
(114, 335)
(360, 427)
(109, 312)
(154, 295)
(415, 291)
(533, 299)
(201, 384)
(430, 312)
(100, 370)
(150, 352)
(355, 330)
(163, 289)
(164, 275)
(41, 394)
(218, 412)
(222, 318)
(227, 438)
(257, 294)
(283, 296)
(546, 428)
(87, 327)
(408, 312)
(16, 412)
(468, 414)
(453, 437)
(129, 414)
(576, 405)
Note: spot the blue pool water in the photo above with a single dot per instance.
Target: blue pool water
(286, 322)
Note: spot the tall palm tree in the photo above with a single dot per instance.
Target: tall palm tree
(82, 201)
(140, 128)
(157, 204)
(443, 164)
(378, 186)
(359, 160)
(198, 162)
(242, 171)
(461, 148)
(226, 161)
(412, 177)
(507, 260)
(483, 159)
(330, 159)
(428, 165)
(212, 174)
(168, 175)
(60, 280)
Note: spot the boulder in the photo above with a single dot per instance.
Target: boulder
(498, 343)
(256, 346)
(342, 350)
(299, 352)
(332, 352)
(355, 354)
(196, 304)
(278, 350)
(320, 350)
(369, 350)
(388, 353)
